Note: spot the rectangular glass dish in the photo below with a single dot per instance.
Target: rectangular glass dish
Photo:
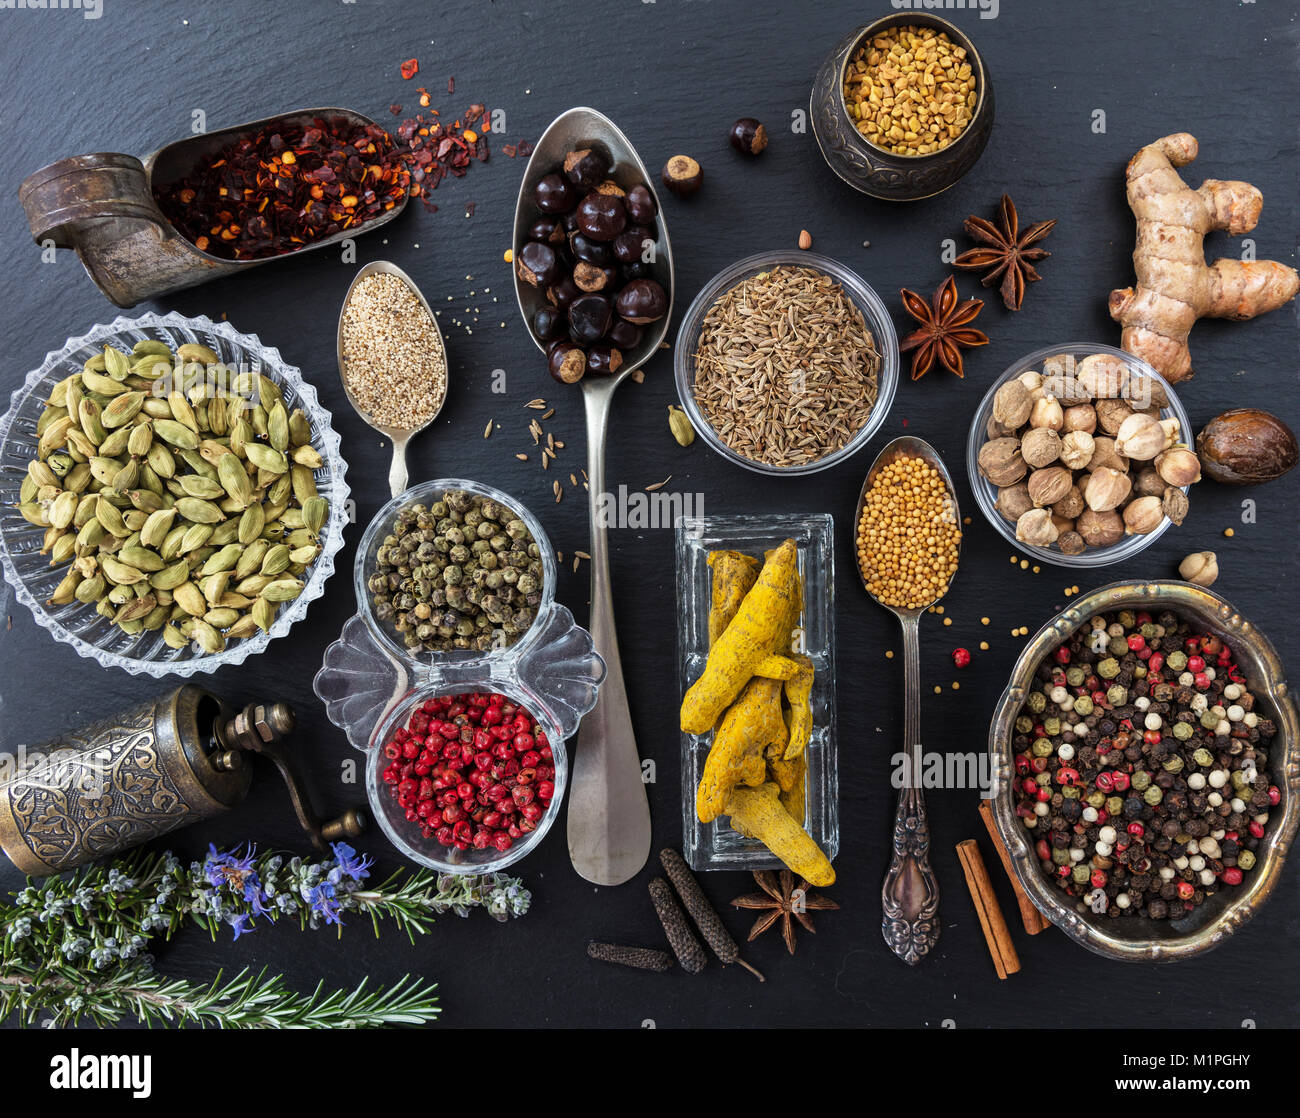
(715, 846)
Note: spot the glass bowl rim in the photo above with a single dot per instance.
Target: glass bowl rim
(864, 297)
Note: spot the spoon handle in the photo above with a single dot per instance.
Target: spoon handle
(609, 815)
(911, 892)
(397, 473)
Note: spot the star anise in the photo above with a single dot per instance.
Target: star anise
(782, 900)
(945, 329)
(1008, 253)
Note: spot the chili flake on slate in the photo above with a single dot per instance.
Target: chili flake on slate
(434, 148)
(282, 187)
(410, 68)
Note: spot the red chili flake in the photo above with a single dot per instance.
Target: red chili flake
(424, 98)
(525, 148)
(509, 149)
(451, 85)
(410, 68)
(469, 209)
(395, 109)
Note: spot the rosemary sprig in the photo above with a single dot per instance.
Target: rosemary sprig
(76, 945)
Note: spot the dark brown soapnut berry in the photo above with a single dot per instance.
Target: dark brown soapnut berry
(623, 334)
(554, 194)
(562, 292)
(631, 243)
(602, 217)
(537, 264)
(747, 136)
(682, 175)
(600, 253)
(588, 277)
(604, 359)
(586, 168)
(610, 187)
(567, 363)
(548, 324)
(642, 301)
(640, 203)
(589, 317)
(547, 230)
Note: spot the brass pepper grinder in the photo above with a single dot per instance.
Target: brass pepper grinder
(143, 773)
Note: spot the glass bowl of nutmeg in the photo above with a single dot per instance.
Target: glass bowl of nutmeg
(1079, 455)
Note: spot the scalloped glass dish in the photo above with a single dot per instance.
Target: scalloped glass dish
(864, 298)
(29, 572)
(986, 493)
(369, 682)
(715, 846)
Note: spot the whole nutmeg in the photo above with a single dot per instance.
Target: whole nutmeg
(1111, 414)
(1013, 501)
(1201, 567)
(1140, 436)
(1179, 466)
(1103, 375)
(1012, 404)
(1063, 384)
(1106, 489)
(1046, 412)
(1100, 529)
(1149, 483)
(1143, 516)
(1036, 529)
(1071, 543)
(1049, 485)
(1246, 446)
(994, 430)
(1076, 449)
(1174, 501)
(1080, 417)
(1105, 454)
(1040, 447)
(1071, 504)
(1000, 461)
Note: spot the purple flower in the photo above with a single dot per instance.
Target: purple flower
(238, 921)
(350, 864)
(237, 873)
(324, 902)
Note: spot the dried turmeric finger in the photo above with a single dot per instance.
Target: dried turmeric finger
(759, 624)
(758, 812)
(776, 667)
(734, 574)
(753, 724)
(798, 693)
(791, 777)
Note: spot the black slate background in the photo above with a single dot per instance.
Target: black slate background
(674, 74)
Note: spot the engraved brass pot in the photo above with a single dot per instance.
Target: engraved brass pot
(1138, 938)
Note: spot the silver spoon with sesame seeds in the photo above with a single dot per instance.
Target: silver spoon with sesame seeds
(390, 408)
(609, 815)
(910, 896)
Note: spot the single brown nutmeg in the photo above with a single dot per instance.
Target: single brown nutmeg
(1080, 417)
(1049, 485)
(1105, 454)
(1141, 436)
(1149, 483)
(1047, 412)
(1201, 567)
(1100, 529)
(1076, 449)
(1036, 529)
(1103, 375)
(1040, 447)
(1143, 516)
(995, 430)
(1071, 505)
(1071, 543)
(1013, 501)
(1106, 489)
(1000, 461)
(1179, 466)
(1111, 414)
(1174, 501)
(1012, 404)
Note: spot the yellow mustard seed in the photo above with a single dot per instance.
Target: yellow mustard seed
(1229, 533)
(889, 655)
(956, 686)
(984, 620)
(984, 646)
(947, 620)
(938, 690)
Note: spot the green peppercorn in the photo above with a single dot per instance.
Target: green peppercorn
(1127, 618)
(1153, 795)
(1037, 702)
(1070, 792)
(1096, 799)
(1246, 860)
(1075, 676)
(1141, 779)
(1114, 804)
(1203, 757)
(1239, 780)
(1060, 857)
(1176, 661)
(1116, 695)
(1083, 706)
(1108, 668)
(1052, 726)
(1173, 764)
(1139, 671)
(1182, 730)
(1118, 646)
(1080, 874)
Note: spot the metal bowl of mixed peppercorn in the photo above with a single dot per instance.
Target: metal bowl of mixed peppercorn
(1122, 797)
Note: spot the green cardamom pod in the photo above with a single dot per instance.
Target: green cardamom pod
(58, 397)
(64, 548)
(205, 488)
(119, 573)
(147, 346)
(245, 627)
(193, 351)
(223, 560)
(268, 393)
(283, 590)
(161, 460)
(221, 618)
(251, 559)
(206, 637)
(156, 618)
(64, 508)
(182, 412)
(122, 409)
(196, 535)
(54, 437)
(277, 427)
(108, 515)
(157, 527)
(214, 586)
(171, 545)
(101, 384)
(304, 485)
(79, 478)
(40, 473)
(254, 584)
(307, 455)
(116, 363)
(299, 427)
(276, 561)
(140, 439)
(266, 458)
(179, 435)
(141, 558)
(241, 434)
(225, 532)
(174, 638)
(114, 444)
(34, 513)
(251, 524)
(127, 477)
(156, 407)
(190, 598)
(263, 614)
(680, 425)
(231, 473)
(66, 591)
(199, 511)
(146, 500)
(136, 610)
(91, 535)
(315, 510)
(92, 589)
(305, 554)
(89, 415)
(169, 578)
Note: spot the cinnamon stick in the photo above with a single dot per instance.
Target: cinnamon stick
(1003, 951)
(1033, 920)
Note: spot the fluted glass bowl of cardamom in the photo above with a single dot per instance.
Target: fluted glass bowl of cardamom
(172, 494)
(1079, 455)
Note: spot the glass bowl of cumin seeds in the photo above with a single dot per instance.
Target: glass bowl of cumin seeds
(786, 363)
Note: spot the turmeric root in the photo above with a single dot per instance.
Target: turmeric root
(790, 777)
(752, 636)
(734, 574)
(798, 693)
(753, 725)
(1175, 286)
(758, 812)
(777, 667)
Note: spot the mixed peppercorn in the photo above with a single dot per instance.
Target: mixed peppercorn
(473, 770)
(1141, 766)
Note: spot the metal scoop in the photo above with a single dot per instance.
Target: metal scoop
(399, 437)
(911, 892)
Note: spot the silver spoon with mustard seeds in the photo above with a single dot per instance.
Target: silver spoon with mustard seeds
(908, 489)
(392, 359)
